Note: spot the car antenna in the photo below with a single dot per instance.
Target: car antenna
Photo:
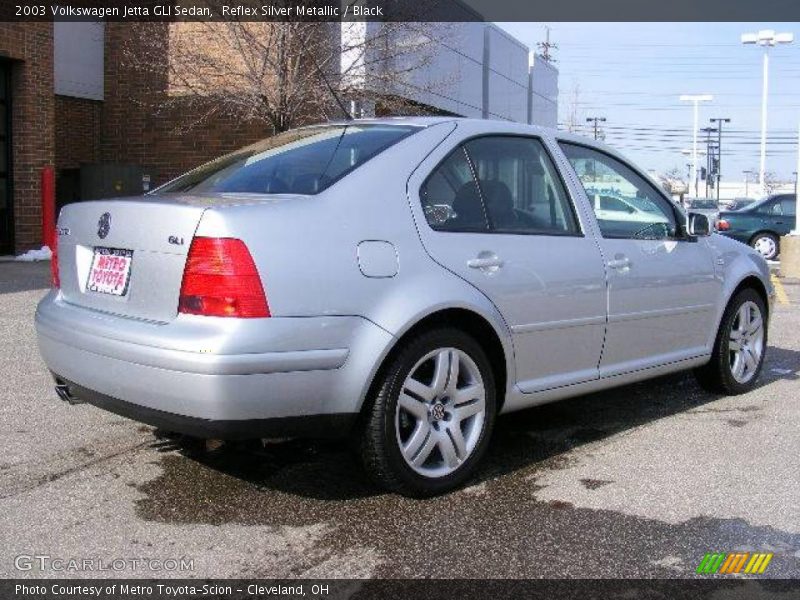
(341, 104)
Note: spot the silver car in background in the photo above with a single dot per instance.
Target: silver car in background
(399, 281)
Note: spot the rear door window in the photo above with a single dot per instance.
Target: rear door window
(498, 184)
(520, 187)
(450, 197)
(301, 161)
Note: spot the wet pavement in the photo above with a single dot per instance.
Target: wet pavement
(639, 481)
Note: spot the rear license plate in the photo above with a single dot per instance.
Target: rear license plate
(110, 272)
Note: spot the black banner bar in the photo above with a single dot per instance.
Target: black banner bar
(400, 10)
(433, 589)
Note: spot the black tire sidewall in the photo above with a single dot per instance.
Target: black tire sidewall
(721, 352)
(390, 392)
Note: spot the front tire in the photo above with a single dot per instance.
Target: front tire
(431, 415)
(739, 348)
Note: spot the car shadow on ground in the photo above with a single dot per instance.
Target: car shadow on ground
(533, 439)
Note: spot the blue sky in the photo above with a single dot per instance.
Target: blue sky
(633, 73)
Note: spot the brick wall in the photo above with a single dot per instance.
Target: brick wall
(126, 127)
(30, 48)
(136, 129)
(77, 134)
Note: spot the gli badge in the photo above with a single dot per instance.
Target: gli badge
(104, 225)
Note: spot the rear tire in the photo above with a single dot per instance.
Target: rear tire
(431, 415)
(739, 348)
(766, 244)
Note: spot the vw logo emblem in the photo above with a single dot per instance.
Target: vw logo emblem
(104, 225)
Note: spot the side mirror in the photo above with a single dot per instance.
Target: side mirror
(698, 224)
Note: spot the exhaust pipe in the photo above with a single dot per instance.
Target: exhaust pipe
(63, 391)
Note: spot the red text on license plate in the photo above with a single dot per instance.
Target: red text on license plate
(110, 271)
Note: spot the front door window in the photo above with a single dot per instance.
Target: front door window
(626, 205)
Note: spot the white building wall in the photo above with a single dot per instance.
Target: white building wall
(78, 53)
(544, 96)
(478, 70)
(508, 76)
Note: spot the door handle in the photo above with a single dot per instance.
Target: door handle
(619, 263)
(491, 262)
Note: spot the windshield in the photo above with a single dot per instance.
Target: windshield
(301, 161)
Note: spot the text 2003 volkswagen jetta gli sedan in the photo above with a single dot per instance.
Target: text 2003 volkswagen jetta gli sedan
(400, 281)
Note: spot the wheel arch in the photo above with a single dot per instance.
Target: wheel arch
(500, 355)
(753, 282)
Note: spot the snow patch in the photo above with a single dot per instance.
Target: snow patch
(42, 253)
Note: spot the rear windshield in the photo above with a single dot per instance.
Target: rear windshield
(301, 161)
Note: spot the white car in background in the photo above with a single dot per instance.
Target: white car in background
(610, 206)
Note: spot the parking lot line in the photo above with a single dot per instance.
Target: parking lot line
(780, 293)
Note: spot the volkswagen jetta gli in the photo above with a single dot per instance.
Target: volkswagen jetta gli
(399, 281)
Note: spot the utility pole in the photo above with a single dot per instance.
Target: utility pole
(719, 121)
(596, 120)
(546, 47)
(709, 154)
(695, 99)
(766, 38)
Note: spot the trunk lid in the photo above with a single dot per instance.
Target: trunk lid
(157, 230)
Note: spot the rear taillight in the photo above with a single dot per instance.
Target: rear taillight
(723, 225)
(220, 280)
(54, 278)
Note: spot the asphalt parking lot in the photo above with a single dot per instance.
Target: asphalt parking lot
(640, 481)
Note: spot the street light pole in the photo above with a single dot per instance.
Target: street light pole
(596, 120)
(695, 99)
(747, 181)
(709, 154)
(766, 38)
(719, 121)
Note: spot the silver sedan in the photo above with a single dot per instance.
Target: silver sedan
(398, 281)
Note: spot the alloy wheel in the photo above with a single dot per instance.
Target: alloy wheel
(440, 412)
(746, 342)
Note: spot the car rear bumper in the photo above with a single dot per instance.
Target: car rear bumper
(318, 426)
(214, 377)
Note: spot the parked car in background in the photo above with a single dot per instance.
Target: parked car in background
(400, 282)
(705, 206)
(761, 224)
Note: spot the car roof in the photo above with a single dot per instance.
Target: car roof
(501, 126)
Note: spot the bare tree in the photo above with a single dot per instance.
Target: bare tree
(673, 181)
(771, 183)
(280, 73)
